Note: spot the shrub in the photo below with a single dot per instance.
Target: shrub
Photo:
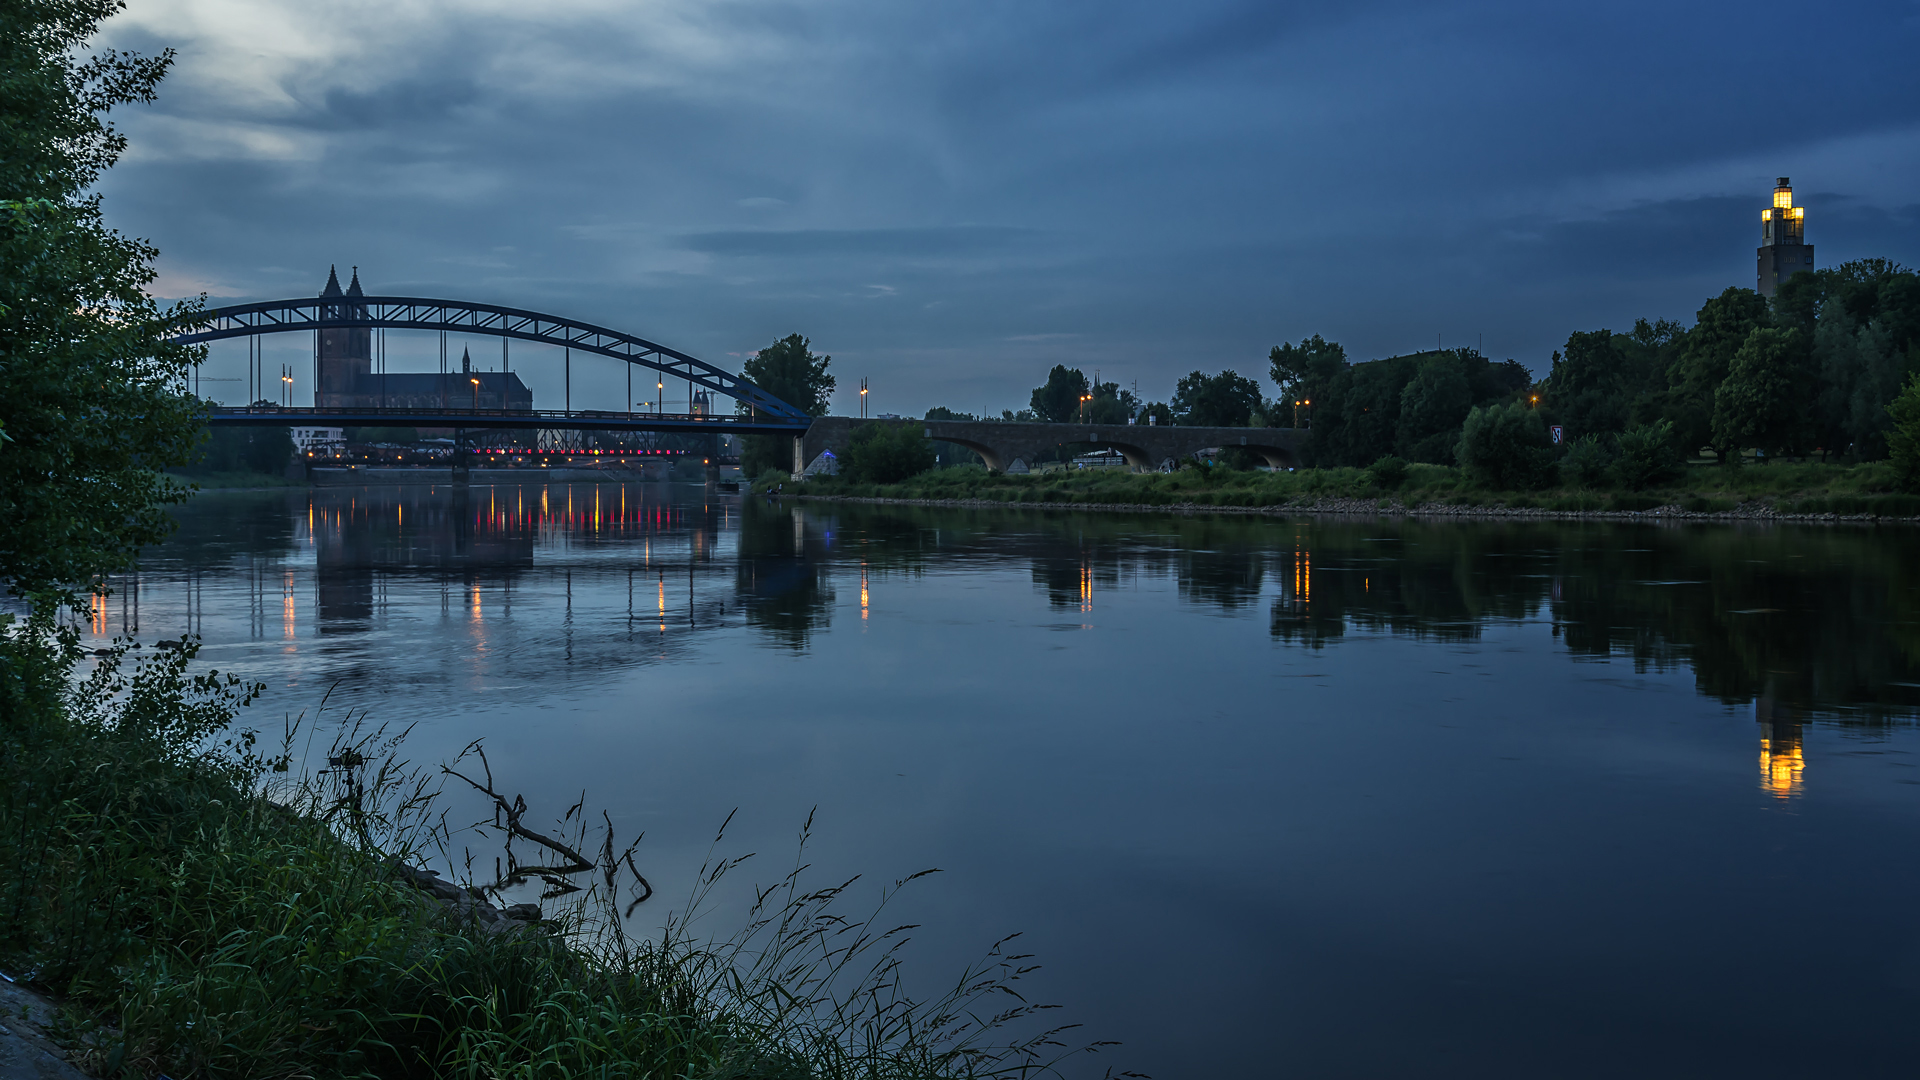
(1388, 473)
(882, 453)
(1647, 456)
(1505, 447)
(1586, 463)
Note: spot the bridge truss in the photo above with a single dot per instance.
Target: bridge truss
(765, 413)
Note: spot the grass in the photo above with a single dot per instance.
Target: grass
(1786, 487)
(205, 912)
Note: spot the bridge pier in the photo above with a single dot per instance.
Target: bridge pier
(462, 461)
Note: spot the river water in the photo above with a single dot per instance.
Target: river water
(1321, 797)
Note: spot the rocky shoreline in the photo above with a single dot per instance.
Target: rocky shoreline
(1752, 512)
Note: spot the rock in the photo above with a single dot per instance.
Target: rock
(465, 904)
(25, 1051)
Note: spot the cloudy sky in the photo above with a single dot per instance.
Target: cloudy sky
(951, 198)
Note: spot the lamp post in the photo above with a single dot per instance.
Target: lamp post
(475, 380)
(863, 398)
(1084, 398)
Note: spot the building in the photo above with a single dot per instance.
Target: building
(318, 440)
(1784, 251)
(463, 389)
(344, 377)
(344, 355)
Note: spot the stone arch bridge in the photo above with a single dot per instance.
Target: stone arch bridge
(1008, 446)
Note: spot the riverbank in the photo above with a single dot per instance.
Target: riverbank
(1797, 492)
(197, 911)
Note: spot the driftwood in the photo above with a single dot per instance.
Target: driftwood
(507, 817)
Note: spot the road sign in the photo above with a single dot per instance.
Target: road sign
(1558, 433)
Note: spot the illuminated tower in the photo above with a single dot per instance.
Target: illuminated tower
(342, 355)
(1784, 251)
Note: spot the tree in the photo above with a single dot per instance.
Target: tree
(1224, 400)
(1433, 405)
(789, 370)
(247, 449)
(93, 395)
(1762, 402)
(1903, 438)
(1587, 388)
(1058, 402)
(884, 453)
(1505, 448)
(1298, 369)
(1722, 326)
(1111, 404)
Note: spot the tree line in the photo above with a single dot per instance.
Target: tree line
(1815, 371)
(1818, 370)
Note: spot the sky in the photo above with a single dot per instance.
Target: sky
(951, 198)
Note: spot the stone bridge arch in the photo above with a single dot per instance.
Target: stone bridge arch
(1143, 446)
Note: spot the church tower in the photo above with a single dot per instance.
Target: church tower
(345, 354)
(1784, 251)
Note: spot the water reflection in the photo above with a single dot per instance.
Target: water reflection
(1597, 692)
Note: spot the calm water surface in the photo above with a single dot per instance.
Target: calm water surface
(1323, 798)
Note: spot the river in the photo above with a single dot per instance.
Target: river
(1334, 797)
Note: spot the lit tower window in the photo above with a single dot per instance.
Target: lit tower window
(1784, 251)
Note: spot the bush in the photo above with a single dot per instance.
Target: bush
(882, 453)
(1505, 447)
(1586, 463)
(1388, 473)
(1647, 456)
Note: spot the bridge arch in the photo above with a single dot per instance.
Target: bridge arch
(1279, 457)
(419, 313)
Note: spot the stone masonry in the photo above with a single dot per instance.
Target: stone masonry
(1010, 447)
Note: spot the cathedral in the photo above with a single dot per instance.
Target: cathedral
(344, 377)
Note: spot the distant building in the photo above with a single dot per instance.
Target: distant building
(463, 389)
(345, 354)
(345, 379)
(318, 440)
(1784, 250)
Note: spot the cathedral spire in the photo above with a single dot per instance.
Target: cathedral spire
(333, 283)
(354, 288)
(466, 360)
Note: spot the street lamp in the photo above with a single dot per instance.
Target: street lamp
(476, 392)
(863, 397)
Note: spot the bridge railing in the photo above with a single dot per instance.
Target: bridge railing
(585, 419)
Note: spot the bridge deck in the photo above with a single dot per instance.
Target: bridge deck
(518, 419)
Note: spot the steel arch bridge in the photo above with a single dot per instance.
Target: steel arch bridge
(766, 414)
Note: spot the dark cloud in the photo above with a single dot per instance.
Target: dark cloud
(969, 240)
(951, 198)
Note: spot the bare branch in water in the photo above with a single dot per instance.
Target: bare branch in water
(512, 812)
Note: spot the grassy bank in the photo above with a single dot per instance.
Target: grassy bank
(198, 927)
(1805, 488)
